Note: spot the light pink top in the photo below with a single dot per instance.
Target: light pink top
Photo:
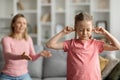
(82, 59)
(12, 49)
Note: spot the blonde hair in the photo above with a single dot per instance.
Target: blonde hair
(83, 16)
(12, 34)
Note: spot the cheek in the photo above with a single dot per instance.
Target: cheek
(16, 26)
(90, 33)
(79, 33)
(24, 27)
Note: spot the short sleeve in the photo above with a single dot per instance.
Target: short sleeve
(99, 45)
(66, 45)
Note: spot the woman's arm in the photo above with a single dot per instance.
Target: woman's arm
(53, 42)
(7, 49)
(33, 55)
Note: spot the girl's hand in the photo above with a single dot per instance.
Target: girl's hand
(45, 53)
(67, 30)
(99, 30)
(27, 57)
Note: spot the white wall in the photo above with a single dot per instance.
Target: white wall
(115, 18)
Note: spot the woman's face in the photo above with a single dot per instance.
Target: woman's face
(20, 25)
(84, 29)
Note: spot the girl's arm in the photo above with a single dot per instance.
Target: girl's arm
(114, 43)
(53, 42)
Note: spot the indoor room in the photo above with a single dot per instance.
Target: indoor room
(46, 18)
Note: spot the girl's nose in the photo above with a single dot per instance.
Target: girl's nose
(84, 32)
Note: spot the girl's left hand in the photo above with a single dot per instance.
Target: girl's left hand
(68, 29)
(99, 30)
(45, 53)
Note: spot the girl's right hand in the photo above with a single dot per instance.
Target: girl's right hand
(67, 30)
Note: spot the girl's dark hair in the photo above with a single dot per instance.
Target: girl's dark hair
(25, 35)
(83, 16)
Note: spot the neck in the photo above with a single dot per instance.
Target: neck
(18, 36)
(84, 40)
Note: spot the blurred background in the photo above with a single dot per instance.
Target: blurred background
(48, 17)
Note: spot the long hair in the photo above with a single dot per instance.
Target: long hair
(12, 34)
(83, 16)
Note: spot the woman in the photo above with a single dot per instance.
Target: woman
(18, 49)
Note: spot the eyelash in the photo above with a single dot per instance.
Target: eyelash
(82, 30)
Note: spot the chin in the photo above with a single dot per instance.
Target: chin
(84, 39)
(20, 32)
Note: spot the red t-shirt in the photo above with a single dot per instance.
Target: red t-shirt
(83, 60)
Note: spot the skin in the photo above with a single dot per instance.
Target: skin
(84, 31)
(20, 25)
(19, 28)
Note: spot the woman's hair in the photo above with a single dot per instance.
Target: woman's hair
(83, 16)
(12, 34)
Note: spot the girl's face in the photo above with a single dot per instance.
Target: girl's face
(20, 25)
(84, 29)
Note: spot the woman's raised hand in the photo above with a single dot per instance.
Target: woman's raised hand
(45, 54)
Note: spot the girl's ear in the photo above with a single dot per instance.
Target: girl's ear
(75, 32)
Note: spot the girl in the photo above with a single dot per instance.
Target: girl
(18, 49)
(83, 51)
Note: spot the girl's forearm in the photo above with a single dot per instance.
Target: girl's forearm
(55, 39)
(113, 40)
